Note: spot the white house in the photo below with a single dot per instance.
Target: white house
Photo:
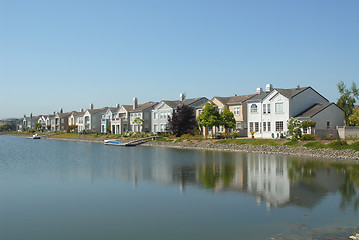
(269, 111)
(165, 109)
(91, 120)
(107, 116)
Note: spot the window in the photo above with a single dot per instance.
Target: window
(278, 126)
(268, 108)
(254, 108)
(236, 111)
(251, 126)
(163, 127)
(256, 126)
(155, 128)
(155, 115)
(268, 126)
(328, 124)
(161, 115)
(279, 108)
(264, 126)
(62, 120)
(239, 125)
(264, 108)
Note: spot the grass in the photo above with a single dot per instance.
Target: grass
(315, 144)
(292, 143)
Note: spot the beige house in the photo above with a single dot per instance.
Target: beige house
(237, 105)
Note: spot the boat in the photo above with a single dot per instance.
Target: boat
(111, 141)
(35, 136)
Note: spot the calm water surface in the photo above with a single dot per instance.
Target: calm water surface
(52, 189)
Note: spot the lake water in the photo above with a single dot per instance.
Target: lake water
(51, 189)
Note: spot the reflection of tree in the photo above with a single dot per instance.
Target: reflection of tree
(302, 170)
(212, 174)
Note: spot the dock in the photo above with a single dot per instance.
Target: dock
(131, 143)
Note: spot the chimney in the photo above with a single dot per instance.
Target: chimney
(182, 97)
(269, 87)
(259, 91)
(91, 105)
(30, 115)
(24, 115)
(117, 105)
(54, 113)
(81, 110)
(135, 104)
(61, 110)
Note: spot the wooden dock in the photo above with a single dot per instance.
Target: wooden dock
(132, 143)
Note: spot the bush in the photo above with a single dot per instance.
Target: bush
(338, 144)
(308, 137)
(235, 134)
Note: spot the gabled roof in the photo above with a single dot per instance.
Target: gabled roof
(187, 102)
(144, 106)
(258, 97)
(76, 114)
(233, 99)
(313, 110)
(94, 111)
(64, 115)
(290, 93)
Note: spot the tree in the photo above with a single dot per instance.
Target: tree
(347, 99)
(139, 122)
(294, 128)
(6, 127)
(209, 117)
(227, 119)
(354, 118)
(182, 121)
(307, 124)
(38, 126)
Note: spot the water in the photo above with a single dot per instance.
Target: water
(51, 189)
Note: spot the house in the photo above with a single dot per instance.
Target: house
(238, 106)
(269, 111)
(74, 118)
(28, 123)
(61, 121)
(165, 109)
(326, 115)
(92, 119)
(125, 116)
(106, 117)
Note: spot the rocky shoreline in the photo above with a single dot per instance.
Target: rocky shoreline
(341, 155)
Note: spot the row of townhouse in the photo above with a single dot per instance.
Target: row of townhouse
(265, 112)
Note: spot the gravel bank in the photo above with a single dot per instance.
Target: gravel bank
(282, 149)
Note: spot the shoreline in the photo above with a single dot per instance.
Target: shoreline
(344, 155)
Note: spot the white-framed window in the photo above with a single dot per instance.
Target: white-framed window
(279, 126)
(268, 126)
(236, 111)
(161, 115)
(268, 108)
(62, 120)
(155, 115)
(264, 126)
(256, 126)
(264, 108)
(254, 108)
(239, 125)
(279, 107)
(155, 128)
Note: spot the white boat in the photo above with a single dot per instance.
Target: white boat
(35, 136)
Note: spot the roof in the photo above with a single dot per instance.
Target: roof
(233, 99)
(258, 97)
(94, 111)
(187, 102)
(144, 106)
(64, 115)
(313, 110)
(290, 93)
(76, 114)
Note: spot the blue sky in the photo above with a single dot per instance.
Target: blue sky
(70, 53)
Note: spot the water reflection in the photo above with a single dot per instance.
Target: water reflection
(277, 180)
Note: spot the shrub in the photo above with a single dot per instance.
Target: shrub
(235, 134)
(338, 144)
(308, 137)
(291, 143)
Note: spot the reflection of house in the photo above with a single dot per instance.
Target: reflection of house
(165, 109)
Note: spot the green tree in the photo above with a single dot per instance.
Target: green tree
(183, 120)
(38, 126)
(227, 119)
(6, 127)
(347, 99)
(209, 117)
(139, 122)
(354, 118)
